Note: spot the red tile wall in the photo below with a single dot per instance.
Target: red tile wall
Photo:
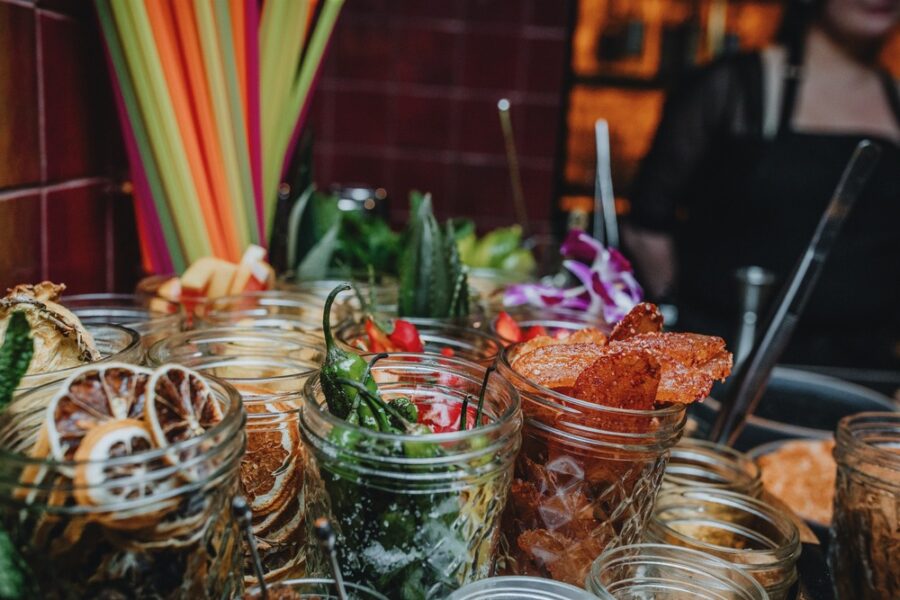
(408, 99)
(62, 216)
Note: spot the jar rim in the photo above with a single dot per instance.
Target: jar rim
(852, 433)
(451, 325)
(140, 302)
(233, 419)
(680, 558)
(427, 362)
(133, 343)
(229, 334)
(787, 552)
(562, 400)
(722, 455)
(291, 583)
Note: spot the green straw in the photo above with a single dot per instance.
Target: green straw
(219, 96)
(140, 50)
(238, 126)
(151, 171)
(299, 92)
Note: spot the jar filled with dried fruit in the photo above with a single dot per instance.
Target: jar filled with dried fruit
(271, 383)
(754, 536)
(416, 513)
(118, 483)
(660, 571)
(584, 481)
(865, 529)
(698, 463)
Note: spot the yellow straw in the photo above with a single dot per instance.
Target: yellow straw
(132, 21)
(299, 92)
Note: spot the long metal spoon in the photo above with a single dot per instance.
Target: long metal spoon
(512, 160)
(327, 540)
(753, 374)
(244, 516)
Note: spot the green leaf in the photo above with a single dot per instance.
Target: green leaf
(15, 356)
(13, 571)
(496, 246)
(316, 262)
(294, 222)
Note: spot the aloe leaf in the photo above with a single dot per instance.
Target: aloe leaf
(315, 263)
(15, 356)
(294, 221)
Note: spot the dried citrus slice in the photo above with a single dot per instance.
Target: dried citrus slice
(643, 318)
(180, 405)
(270, 465)
(91, 397)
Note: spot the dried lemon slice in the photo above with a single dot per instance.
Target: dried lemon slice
(91, 397)
(270, 468)
(102, 479)
(180, 405)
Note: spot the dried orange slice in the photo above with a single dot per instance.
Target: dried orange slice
(180, 406)
(643, 318)
(271, 464)
(91, 397)
(557, 365)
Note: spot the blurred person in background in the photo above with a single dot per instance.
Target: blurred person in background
(746, 157)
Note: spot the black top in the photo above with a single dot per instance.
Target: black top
(733, 198)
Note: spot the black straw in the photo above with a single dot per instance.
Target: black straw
(244, 516)
(327, 540)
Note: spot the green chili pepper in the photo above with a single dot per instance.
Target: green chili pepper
(406, 408)
(340, 363)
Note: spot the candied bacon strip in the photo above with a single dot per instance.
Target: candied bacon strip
(588, 335)
(620, 379)
(558, 365)
(643, 318)
(690, 363)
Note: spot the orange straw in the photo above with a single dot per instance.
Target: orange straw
(182, 15)
(163, 31)
(238, 29)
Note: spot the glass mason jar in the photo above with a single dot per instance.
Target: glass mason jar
(754, 536)
(698, 463)
(663, 572)
(115, 343)
(584, 481)
(153, 318)
(517, 588)
(163, 530)
(272, 467)
(314, 589)
(865, 530)
(237, 342)
(438, 337)
(556, 321)
(289, 311)
(416, 516)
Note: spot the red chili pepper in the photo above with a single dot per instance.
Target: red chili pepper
(443, 417)
(507, 328)
(448, 351)
(406, 337)
(534, 331)
(378, 339)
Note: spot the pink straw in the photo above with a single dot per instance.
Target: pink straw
(254, 136)
(159, 258)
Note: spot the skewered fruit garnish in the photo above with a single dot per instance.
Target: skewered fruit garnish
(209, 277)
(60, 340)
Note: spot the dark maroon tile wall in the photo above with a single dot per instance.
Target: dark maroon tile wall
(408, 99)
(61, 216)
